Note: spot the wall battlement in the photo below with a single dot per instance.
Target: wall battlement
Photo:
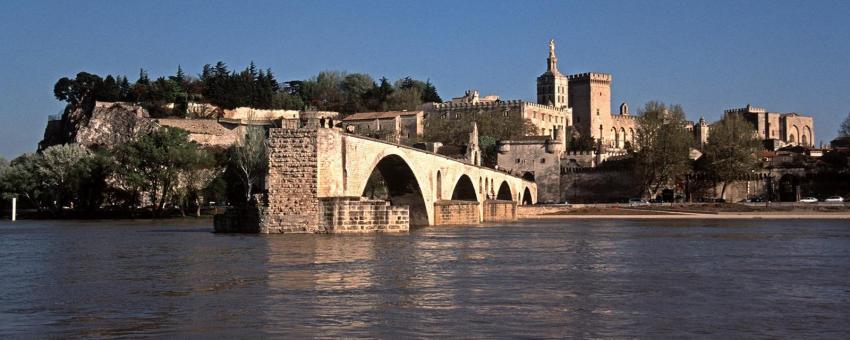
(492, 105)
(598, 76)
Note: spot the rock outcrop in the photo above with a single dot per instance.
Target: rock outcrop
(110, 124)
(113, 124)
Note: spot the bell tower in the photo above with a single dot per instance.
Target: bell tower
(552, 85)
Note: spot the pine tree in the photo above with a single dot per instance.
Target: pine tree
(429, 94)
(143, 77)
(124, 94)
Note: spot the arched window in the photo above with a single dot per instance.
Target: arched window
(439, 185)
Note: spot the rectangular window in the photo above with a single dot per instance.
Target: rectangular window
(542, 160)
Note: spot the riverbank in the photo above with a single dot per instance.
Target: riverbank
(681, 211)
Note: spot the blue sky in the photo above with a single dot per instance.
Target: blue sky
(787, 56)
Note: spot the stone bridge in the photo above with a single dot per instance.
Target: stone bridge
(317, 182)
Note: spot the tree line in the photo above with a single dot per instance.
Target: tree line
(160, 171)
(251, 87)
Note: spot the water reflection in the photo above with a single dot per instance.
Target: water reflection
(577, 278)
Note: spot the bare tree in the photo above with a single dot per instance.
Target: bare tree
(249, 157)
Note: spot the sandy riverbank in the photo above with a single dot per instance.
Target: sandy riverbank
(741, 216)
(677, 212)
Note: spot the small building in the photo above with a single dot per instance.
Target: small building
(404, 124)
(535, 158)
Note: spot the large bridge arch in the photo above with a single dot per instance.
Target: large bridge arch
(505, 193)
(403, 186)
(464, 190)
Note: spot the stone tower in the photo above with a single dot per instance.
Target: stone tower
(590, 98)
(701, 132)
(473, 152)
(552, 86)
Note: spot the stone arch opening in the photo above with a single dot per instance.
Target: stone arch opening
(526, 197)
(615, 137)
(632, 135)
(504, 192)
(480, 185)
(808, 132)
(393, 180)
(795, 133)
(528, 176)
(464, 190)
(623, 139)
(439, 185)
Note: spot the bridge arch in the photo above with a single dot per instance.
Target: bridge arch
(505, 192)
(526, 197)
(464, 190)
(402, 186)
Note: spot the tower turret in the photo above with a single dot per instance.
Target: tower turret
(552, 85)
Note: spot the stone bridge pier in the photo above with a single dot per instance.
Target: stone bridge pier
(317, 183)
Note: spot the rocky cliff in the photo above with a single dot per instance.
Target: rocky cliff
(110, 124)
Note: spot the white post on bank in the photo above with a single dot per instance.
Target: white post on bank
(14, 208)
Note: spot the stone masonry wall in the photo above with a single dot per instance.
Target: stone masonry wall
(455, 212)
(357, 215)
(499, 211)
(293, 204)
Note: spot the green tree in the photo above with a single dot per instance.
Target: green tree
(731, 150)
(21, 178)
(283, 100)
(409, 99)
(324, 92)
(662, 146)
(125, 89)
(489, 150)
(77, 91)
(198, 171)
(109, 90)
(153, 164)
(62, 169)
(844, 130)
(429, 93)
(357, 87)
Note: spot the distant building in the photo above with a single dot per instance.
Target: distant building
(789, 128)
(472, 97)
(404, 124)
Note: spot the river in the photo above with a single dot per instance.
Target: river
(601, 278)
